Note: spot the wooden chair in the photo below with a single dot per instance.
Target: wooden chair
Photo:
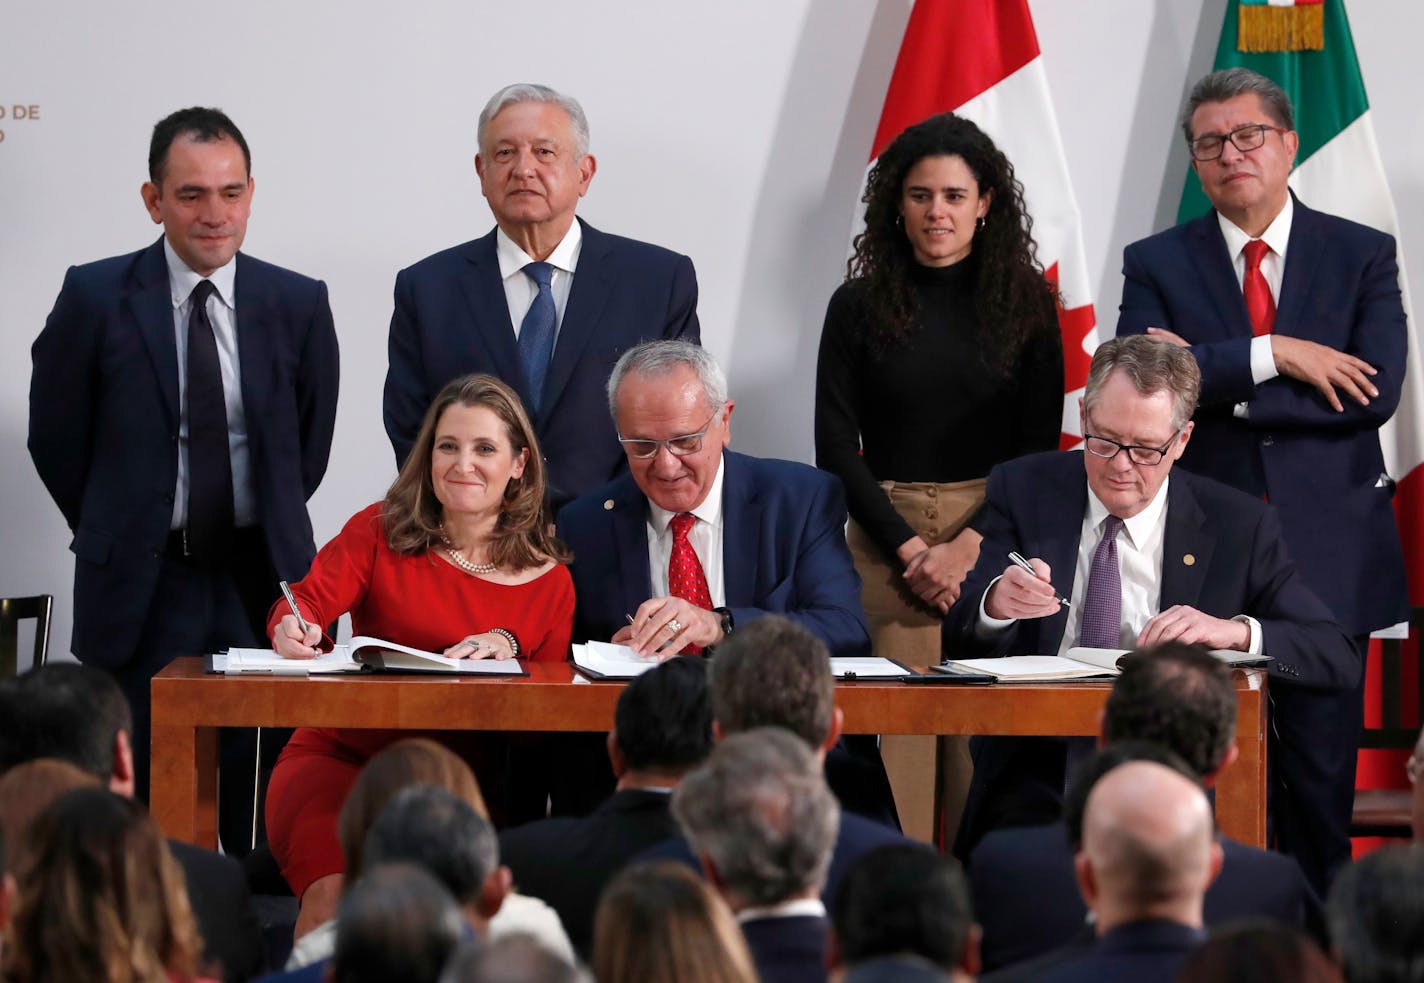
(1387, 812)
(13, 610)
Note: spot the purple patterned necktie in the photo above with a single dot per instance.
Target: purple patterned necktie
(1102, 604)
(1101, 629)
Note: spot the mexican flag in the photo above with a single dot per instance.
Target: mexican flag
(980, 59)
(1338, 170)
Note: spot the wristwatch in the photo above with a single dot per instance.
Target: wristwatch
(725, 614)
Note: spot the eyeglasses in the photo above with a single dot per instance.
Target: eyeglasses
(1107, 449)
(1243, 138)
(688, 443)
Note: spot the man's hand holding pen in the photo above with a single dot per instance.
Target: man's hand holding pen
(1020, 594)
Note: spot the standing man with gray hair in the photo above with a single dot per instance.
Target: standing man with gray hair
(545, 302)
(1295, 319)
(1145, 553)
(762, 821)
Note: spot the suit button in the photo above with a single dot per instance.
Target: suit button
(168, 498)
(156, 553)
(1267, 440)
(933, 492)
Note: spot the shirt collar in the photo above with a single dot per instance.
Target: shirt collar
(1141, 524)
(710, 511)
(512, 258)
(182, 279)
(799, 908)
(1277, 234)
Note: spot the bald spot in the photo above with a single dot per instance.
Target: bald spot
(1147, 831)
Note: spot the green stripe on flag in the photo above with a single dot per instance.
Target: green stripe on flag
(1325, 87)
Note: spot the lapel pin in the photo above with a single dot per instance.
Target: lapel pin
(1189, 559)
(608, 505)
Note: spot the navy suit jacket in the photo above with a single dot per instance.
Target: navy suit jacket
(1020, 925)
(1142, 952)
(1321, 469)
(451, 318)
(790, 949)
(104, 415)
(1239, 565)
(567, 861)
(783, 552)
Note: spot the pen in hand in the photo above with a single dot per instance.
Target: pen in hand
(292, 603)
(1019, 561)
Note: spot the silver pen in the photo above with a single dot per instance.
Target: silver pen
(1019, 561)
(292, 603)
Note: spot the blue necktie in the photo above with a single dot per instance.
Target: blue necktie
(536, 333)
(1101, 628)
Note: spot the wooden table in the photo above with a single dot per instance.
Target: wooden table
(189, 705)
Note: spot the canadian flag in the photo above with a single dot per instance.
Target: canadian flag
(980, 59)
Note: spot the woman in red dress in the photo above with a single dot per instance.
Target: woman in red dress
(458, 559)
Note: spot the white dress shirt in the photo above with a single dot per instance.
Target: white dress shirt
(705, 537)
(1273, 267)
(222, 313)
(797, 908)
(1139, 562)
(520, 290)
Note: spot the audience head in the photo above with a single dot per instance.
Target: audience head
(407, 762)
(938, 193)
(663, 722)
(906, 900)
(7, 891)
(659, 921)
(775, 673)
(1149, 849)
(1136, 413)
(760, 817)
(533, 139)
(515, 958)
(71, 712)
(1180, 697)
(100, 897)
(1240, 130)
(427, 826)
(1375, 913)
(1258, 951)
(27, 790)
(669, 402)
(396, 923)
(200, 186)
(473, 408)
(1104, 760)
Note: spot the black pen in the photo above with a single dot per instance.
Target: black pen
(1021, 562)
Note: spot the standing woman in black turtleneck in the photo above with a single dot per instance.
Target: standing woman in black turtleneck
(940, 357)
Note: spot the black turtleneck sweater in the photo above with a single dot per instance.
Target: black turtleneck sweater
(931, 408)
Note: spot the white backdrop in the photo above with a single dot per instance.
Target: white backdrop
(734, 131)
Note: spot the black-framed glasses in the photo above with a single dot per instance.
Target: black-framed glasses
(688, 443)
(1243, 138)
(1107, 449)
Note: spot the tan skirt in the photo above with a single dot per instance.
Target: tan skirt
(930, 776)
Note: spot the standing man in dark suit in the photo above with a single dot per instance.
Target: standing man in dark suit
(1295, 319)
(1147, 858)
(181, 413)
(662, 728)
(1146, 553)
(544, 302)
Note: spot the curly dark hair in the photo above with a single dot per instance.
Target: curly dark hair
(1010, 292)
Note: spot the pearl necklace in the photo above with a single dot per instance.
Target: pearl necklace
(459, 559)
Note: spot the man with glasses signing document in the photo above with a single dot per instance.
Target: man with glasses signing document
(1295, 319)
(1145, 553)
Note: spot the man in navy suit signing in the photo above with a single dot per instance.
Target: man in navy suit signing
(181, 413)
(1295, 319)
(1146, 553)
(545, 302)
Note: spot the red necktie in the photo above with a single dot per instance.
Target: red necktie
(1260, 305)
(685, 577)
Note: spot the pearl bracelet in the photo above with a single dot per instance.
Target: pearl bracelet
(509, 637)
